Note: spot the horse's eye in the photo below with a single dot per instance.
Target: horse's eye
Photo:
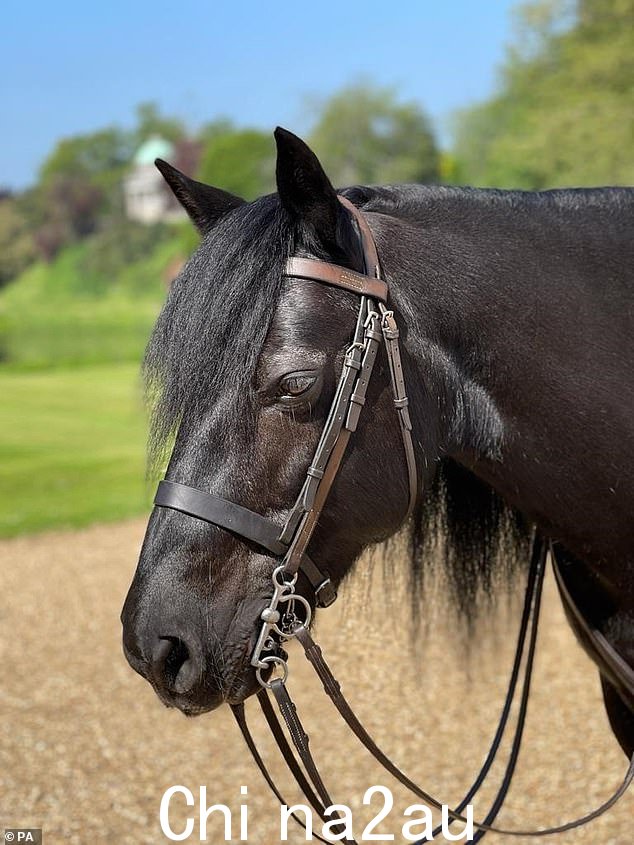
(298, 388)
(295, 384)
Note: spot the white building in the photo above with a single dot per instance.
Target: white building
(147, 198)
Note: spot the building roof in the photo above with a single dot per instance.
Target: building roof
(154, 147)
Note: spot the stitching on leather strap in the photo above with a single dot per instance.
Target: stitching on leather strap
(337, 276)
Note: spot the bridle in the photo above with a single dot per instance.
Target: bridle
(374, 322)
(289, 543)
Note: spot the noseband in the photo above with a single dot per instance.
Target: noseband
(289, 543)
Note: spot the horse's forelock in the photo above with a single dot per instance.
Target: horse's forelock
(208, 336)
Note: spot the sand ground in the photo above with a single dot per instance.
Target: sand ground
(87, 751)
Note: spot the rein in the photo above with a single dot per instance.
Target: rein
(289, 542)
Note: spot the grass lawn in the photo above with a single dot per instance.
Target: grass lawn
(52, 316)
(72, 447)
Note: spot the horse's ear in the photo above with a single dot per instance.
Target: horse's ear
(204, 204)
(304, 189)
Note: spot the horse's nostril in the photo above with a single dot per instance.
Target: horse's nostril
(173, 668)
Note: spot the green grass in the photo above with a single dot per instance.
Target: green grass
(71, 447)
(53, 315)
(72, 334)
(114, 329)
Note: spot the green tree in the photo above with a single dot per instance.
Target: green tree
(241, 161)
(17, 249)
(150, 121)
(108, 254)
(563, 112)
(214, 129)
(99, 158)
(365, 135)
(80, 186)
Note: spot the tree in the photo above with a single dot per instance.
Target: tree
(97, 157)
(150, 122)
(366, 135)
(80, 185)
(80, 189)
(216, 127)
(75, 202)
(17, 249)
(241, 161)
(563, 112)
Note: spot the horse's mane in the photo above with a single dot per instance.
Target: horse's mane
(207, 341)
(462, 523)
(413, 201)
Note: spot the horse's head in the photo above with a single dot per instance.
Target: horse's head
(243, 366)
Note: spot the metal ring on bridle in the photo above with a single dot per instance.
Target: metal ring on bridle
(293, 597)
(275, 660)
(280, 581)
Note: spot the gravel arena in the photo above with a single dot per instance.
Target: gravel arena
(87, 750)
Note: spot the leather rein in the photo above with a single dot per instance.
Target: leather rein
(289, 542)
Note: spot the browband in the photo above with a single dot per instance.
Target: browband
(333, 274)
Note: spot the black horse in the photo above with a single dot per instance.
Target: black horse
(517, 323)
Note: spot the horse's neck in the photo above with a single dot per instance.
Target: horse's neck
(507, 326)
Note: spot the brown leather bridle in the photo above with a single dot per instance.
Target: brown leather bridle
(280, 621)
(375, 322)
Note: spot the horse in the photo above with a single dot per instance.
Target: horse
(516, 314)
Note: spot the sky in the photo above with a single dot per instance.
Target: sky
(70, 67)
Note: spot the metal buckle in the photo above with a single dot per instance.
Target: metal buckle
(351, 359)
(372, 316)
(371, 332)
(389, 326)
(325, 594)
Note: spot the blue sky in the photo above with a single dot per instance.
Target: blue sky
(68, 67)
